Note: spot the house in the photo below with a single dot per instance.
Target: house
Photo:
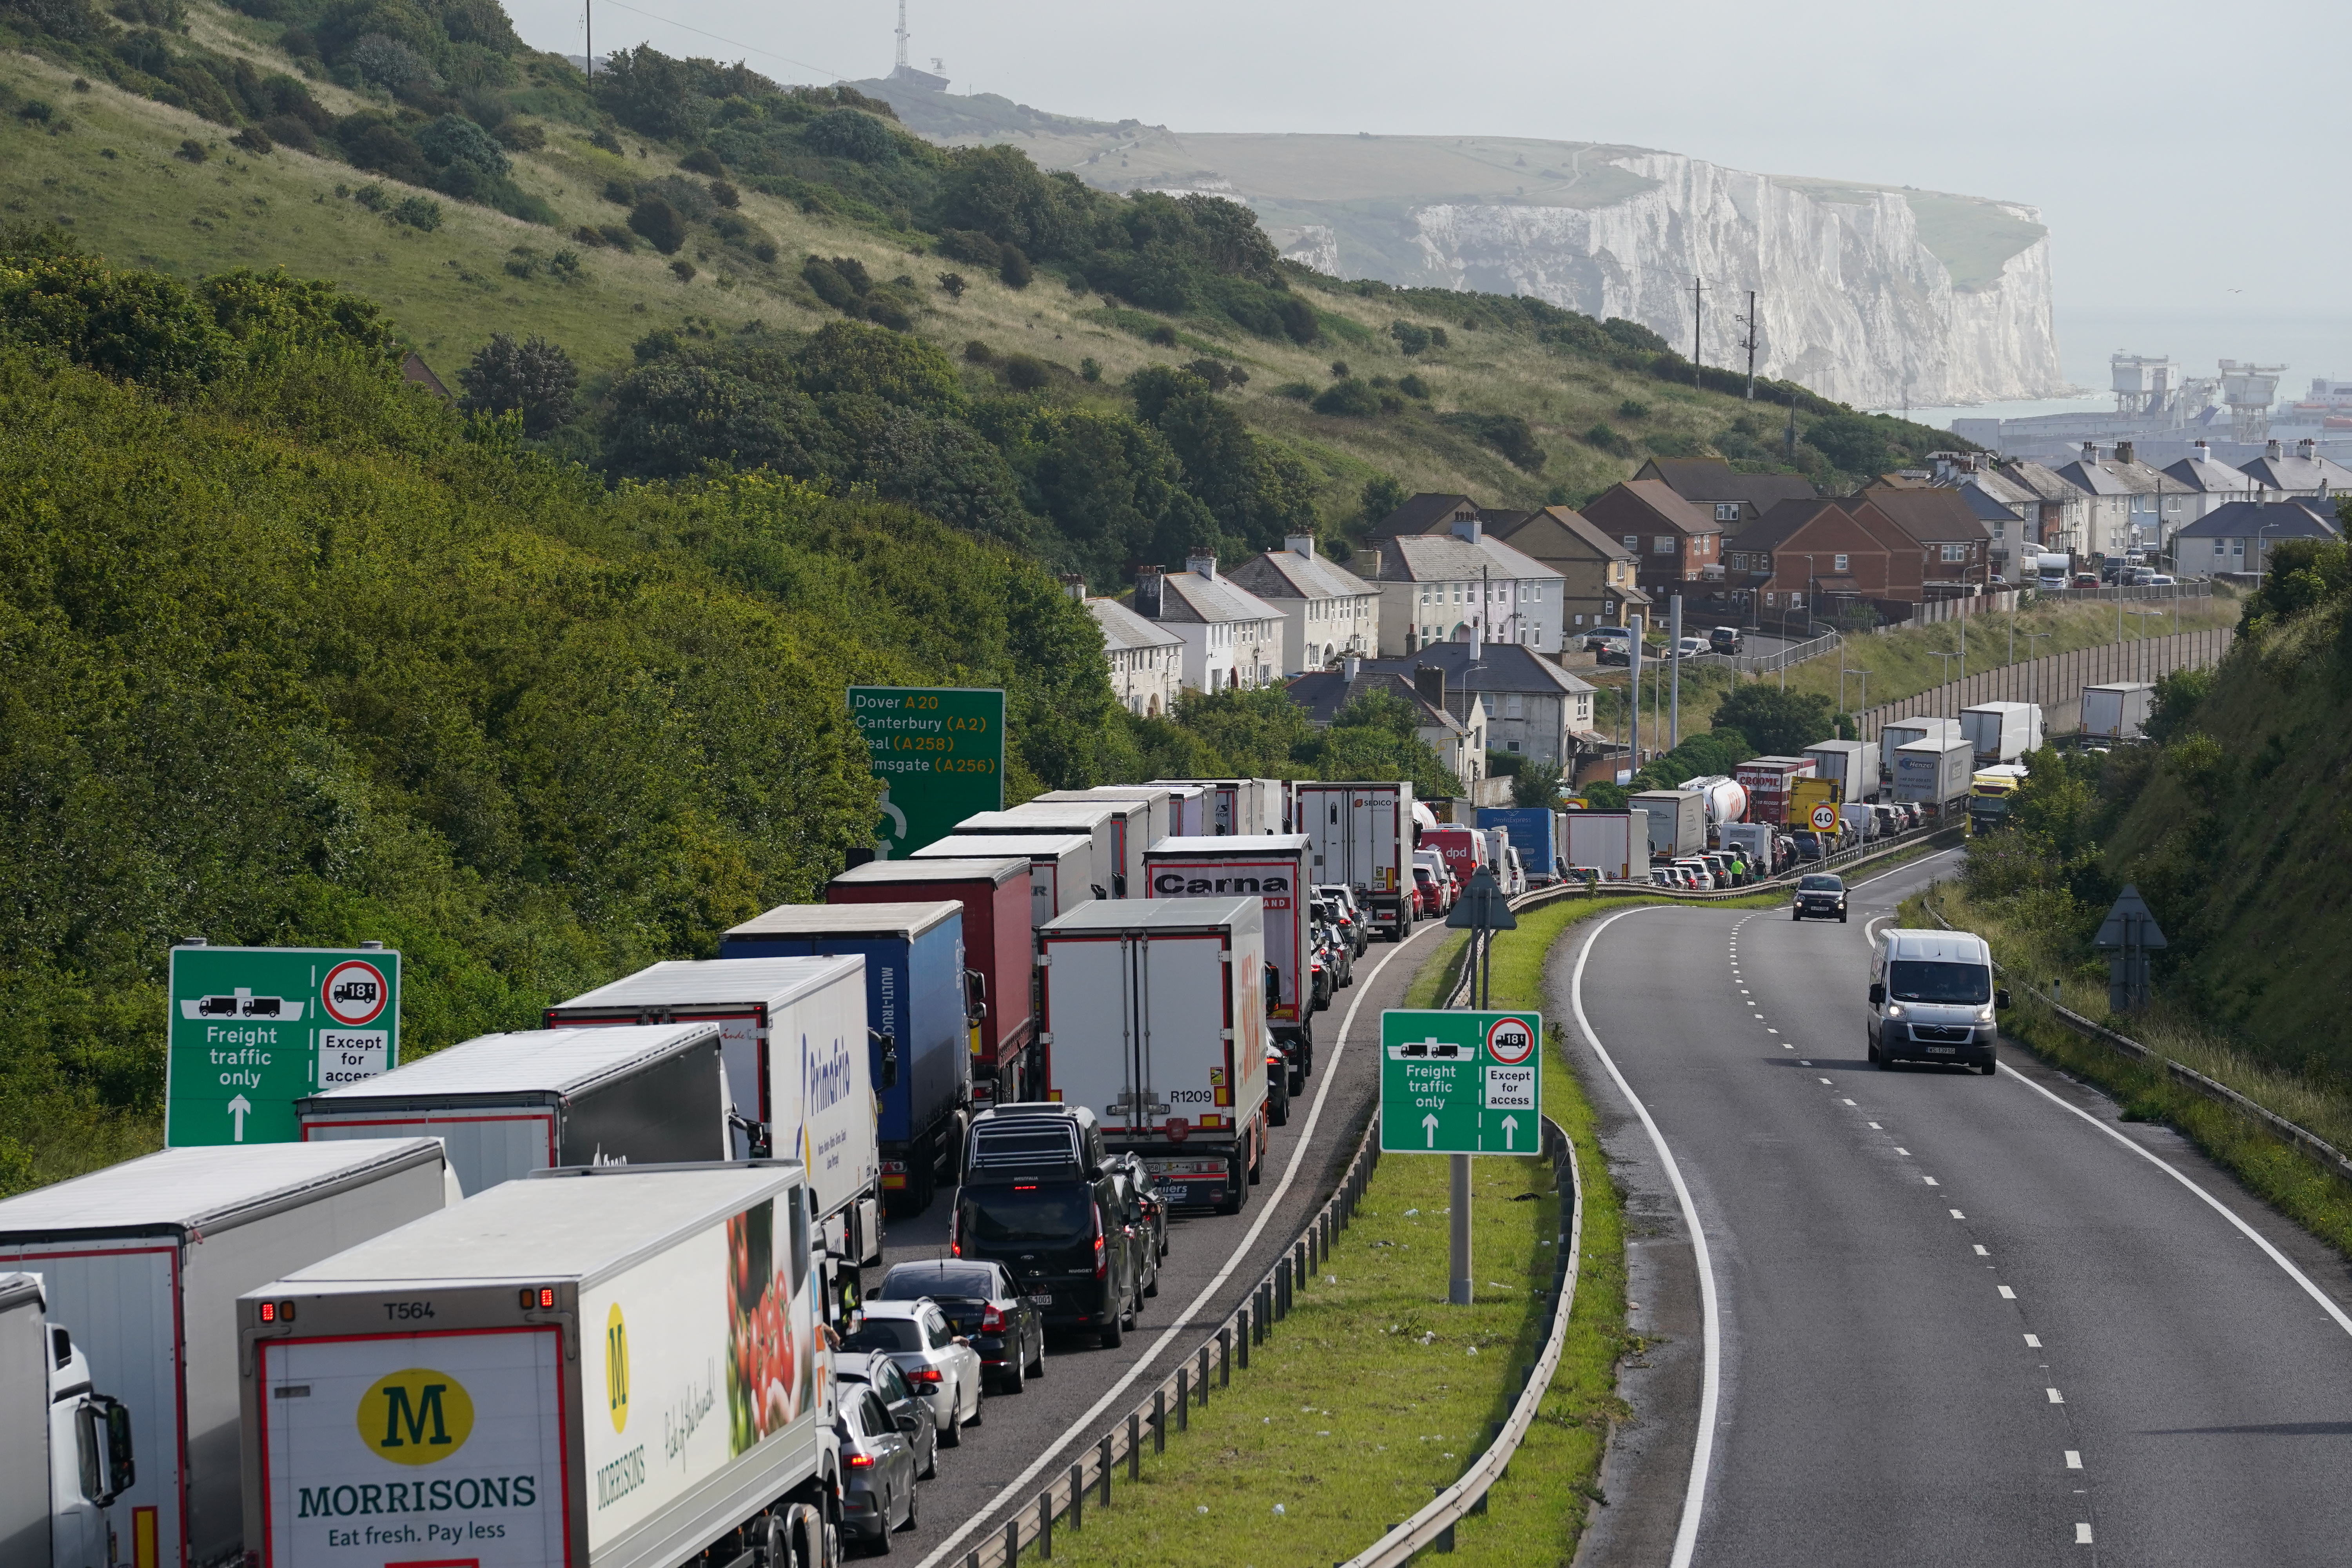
(1460, 743)
(1596, 572)
(1956, 545)
(1735, 500)
(1812, 558)
(2007, 509)
(2238, 536)
(1328, 611)
(1232, 638)
(1463, 586)
(2063, 506)
(2132, 504)
(1147, 661)
(2210, 486)
(1429, 513)
(1533, 707)
(2304, 474)
(1677, 544)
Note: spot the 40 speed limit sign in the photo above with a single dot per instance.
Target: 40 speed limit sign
(1461, 1083)
(1825, 819)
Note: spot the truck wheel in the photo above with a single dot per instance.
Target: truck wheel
(774, 1551)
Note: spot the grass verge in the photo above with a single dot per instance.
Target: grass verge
(2291, 1181)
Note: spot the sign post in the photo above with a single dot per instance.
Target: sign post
(1461, 1083)
(254, 1029)
(940, 753)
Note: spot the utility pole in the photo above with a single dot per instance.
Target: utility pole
(1674, 652)
(1751, 347)
(1640, 625)
(1697, 317)
(588, 31)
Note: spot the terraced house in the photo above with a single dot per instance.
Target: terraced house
(1677, 546)
(1232, 638)
(1463, 587)
(1328, 613)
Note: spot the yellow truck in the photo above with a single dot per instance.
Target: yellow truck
(1989, 793)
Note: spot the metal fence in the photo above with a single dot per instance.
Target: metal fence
(1781, 658)
(2200, 589)
(2058, 677)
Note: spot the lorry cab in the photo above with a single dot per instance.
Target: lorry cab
(1038, 1196)
(1932, 999)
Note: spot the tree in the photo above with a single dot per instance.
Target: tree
(534, 378)
(662, 224)
(1537, 783)
(1780, 723)
(1382, 495)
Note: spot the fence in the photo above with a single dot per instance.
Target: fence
(2200, 589)
(1794, 653)
(2058, 677)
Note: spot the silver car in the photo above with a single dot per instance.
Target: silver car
(936, 1362)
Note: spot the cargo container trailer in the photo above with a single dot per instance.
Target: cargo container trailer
(2001, 731)
(1061, 865)
(1462, 847)
(1094, 822)
(1614, 843)
(1932, 772)
(1852, 764)
(1766, 779)
(1137, 823)
(1533, 834)
(1678, 824)
(2117, 710)
(1271, 867)
(1901, 732)
(1361, 833)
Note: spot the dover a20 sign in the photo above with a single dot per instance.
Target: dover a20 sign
(254, 1029)
(1461, 1083)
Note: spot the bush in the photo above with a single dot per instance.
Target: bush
(725, 194)
(1298, 391)
(703, 161)
(1633, 408)
(1163, 335)
(520, 135)
(1414, 387)
(417, 212)
(252, 139)
(1090, 370)
(1026, 373)
(1349, 398)
(1382, 495)
(533, 378)
(662, 224)
(978, 353)
(850, 134)
(190, 149)
(453, 138)
(1605, 439)
(1410, 338)
(1505, 432)
(1014, 267)
(1779, 723)
(683, 270)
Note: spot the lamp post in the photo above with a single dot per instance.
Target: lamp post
(2030, 638)
(1947, 669)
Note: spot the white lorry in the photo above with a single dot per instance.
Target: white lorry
(67, 1447)
(1271, 867)
(795, 1035)
(1614, 843)
(1361, 834)
(1934, 773)
(1061, 865)
(1901, 732)
(1139, 819)
(1100, 824)
(1852, 764)
(2118, 710)
(2001, 731)
(142, 1263)
(596, 1367)
(1154, 1018)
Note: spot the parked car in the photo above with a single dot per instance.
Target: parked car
(1819, 897)
(1155, 1201)
(1277, 1088)
(877, 1469)
(1600, 640)
(986, 1310)
(1724, 639)
(909, 1411)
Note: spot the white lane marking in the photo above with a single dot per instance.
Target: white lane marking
(1873, 1126)
(2249, 1232)
(2007, 1294)
(1806, 1064)
(1906, 866)
(1905, 1152)
(1980, 1250)
(1850, 1102)
(2074, 1458)
(1931, 1181)
(2055, 1397)
(1013, 1490)
(1785, 1045)
(2082, 1534)
(1771, 1031)
(1824, 1081)
(1958, 1214)
(2034, 1341)
(1711, 1318)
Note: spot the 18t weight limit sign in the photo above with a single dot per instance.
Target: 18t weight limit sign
(1461, 1083)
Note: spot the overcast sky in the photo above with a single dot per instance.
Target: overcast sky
(2183, 155)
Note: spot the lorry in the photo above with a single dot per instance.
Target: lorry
(2001, 731)
(1677, 823)
(799, 1050)
(142, 1262)
(1157, 802)
(1154, 1018)
(915, 999)
(507, 1105)
(1766, 779)
(1725, 799)
(1756, 842)
(1188, 807)
(1098, 823)
(2118, 710)
(1271, 867)
(607, 1366)
(1933, 772)
(1614, 843)
(1852, 764)
(998, 943)
(1903, 731)
(1989, 793)
(68, 1447)
(1061, 865)
(1361, 833)
(1533, 830)
(1138, 822)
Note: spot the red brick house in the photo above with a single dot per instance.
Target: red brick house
(1675, 543)
(1811, 558)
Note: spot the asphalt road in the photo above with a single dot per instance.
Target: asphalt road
(1959, 1320)
(1212, 1262)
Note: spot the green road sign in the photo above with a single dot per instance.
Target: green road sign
(1461, 1083)
(254, 1029)
(940, 754)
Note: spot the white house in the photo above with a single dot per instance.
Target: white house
(1146, 660)
(1458, 739)
(1232, 638)
(1328, 611)
(2239, 536)
(2306, 473)
(2210, 485)
(1532, 706)
(1465, 587)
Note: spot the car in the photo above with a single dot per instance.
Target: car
(877, 1469)
(1691, 647)
(937, 1362)
(2087, 579)
(1351, 916)
(2161, 580)
(1277, 1088)
(909, 1411)
(1037, 1197)
(1599, 640)
(1131, 1183)
(1154, 1199)
(1818, 896)
(1724, 639)
(1615, 653)
(1702, 874)
(984, 1309)
(1424, 893)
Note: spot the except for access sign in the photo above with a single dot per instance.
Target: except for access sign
(254, 1029)
(940, 753)
(1461, 1083)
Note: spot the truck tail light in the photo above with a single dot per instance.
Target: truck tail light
(277, 1311)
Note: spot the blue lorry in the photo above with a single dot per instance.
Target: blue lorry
(914, 1001)
(1531, 828)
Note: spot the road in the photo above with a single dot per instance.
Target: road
(1212, 1262)
(1959, 1320)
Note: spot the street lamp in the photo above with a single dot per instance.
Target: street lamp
(2030, 638)
(1948, 668)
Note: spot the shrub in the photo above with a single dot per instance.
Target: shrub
(663, 226)
(419, 211)
(1026, 373)
(684, 269)
(533, 378)
(1412, 386)
(978, 353)
(190, 149)
(287, 131)
(1603, 438)
(391, 63)
(1014, 267)
(725, 194)
(1090, 369)
(372, 196)
(1382, 495)
(953, 285)
(1299, 391)
(620, 236)
(887, 310)
(1350, 399)
(1411, 337)
(252, 139)
(702, 161)
(1163, 334)
(453, 138)
(1339, 368)
(765, 250)
(520, 135)
(1633, 408)
(621, 192)
(850, 134)
(1778, 722)
(1505, 432)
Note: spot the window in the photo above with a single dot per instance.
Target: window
(1632, 544)
(1664, 544)
(1726, 511)
(1840, 562)
(1513, 745)
(1796, 601)
(1955, 552)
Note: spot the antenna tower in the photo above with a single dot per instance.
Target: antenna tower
(902, 37)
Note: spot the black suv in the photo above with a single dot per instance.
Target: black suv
(1040, 1196)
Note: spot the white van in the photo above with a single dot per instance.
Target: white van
(1932, 999)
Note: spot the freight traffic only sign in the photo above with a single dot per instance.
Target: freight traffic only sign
(940, 754)
(1461, 1083)
(254, 1029)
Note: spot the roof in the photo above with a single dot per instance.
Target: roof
(1775, 527)
(906, 920)
(1159, 914)
(1987, 506)
(714, 983)
(1324, 693)
(2042, 480)
(994, 870)
(527, 1061)
(2001, 486)
(1929, 515)
(2293, 473)
(1037, 846)
(1836, 586)
(1210, 600)
(2110, 477)
(209, 1189)
(1425, 513)
(1433, 557)
(1655, 498)
(1222, 845)
(1710, 480)
(2209, 477)
(1961, 946)
(1501, 667)
(2263, 520)
(1287, 574)
(1123, 628)
(1608, 546)
(1043, 816)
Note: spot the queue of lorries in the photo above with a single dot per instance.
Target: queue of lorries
(594, 1293)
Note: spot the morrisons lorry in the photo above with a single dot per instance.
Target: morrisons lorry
(1361, 834)
(67, 1447)
(597, 1367)
(1154, 1019)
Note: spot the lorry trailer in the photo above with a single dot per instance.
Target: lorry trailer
(1101, 824)
(796, 1029)
(68, 1447)
(2118, 710)
(2001, 731)
(1766, 780)
(1614, 843)
(1901, 732)
(598, 1367)
(1724, 798)
(914, 997)
(1931, 773)
(1532, 830)
(1271, 867)
(1678, 823)
(1361, 833)
(142, 1263)
(507, 1105)
(1154, 1019)
(1061, 865)
(1852, 764)
(1137, 821)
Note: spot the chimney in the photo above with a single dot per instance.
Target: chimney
(2272, 449)
(1148, 581)
(1469, 529)
(1429, 684)
(1300, 544)
(1201, 566)
(2123, 451)
(2090, 451)
(2200, 451)
(1350, 668)
(2306, 448)
(1376, 566)
(1074, 586)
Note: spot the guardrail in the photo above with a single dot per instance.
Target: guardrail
(1862, 854)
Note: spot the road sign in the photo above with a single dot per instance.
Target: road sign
(1461, 1083)
(1825, 819)
(940, 753)
(254, 1029)
(1484, 907)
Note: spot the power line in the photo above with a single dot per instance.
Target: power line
(734, 43)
